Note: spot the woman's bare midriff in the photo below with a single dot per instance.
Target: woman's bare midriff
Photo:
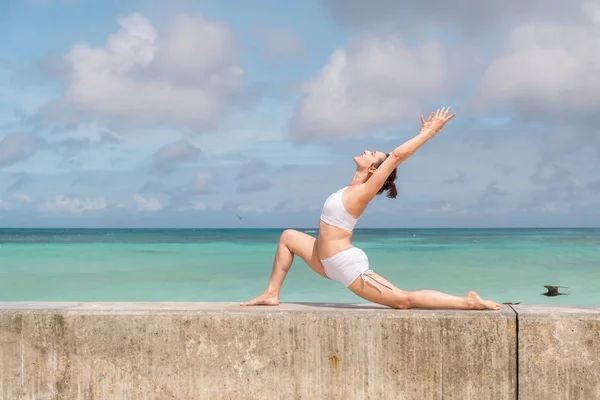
(332, 240)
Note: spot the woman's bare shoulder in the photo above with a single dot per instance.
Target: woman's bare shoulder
(355, 200)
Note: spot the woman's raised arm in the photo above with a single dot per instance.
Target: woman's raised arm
(431, 126)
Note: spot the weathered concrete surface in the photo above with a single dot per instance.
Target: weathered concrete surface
(559, 352)
(224, 351)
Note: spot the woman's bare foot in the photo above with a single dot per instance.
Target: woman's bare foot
(477, 303)
(265, 299)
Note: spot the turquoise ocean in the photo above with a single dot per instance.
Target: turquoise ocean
(233, 265)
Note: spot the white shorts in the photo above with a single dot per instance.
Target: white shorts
(348, 265)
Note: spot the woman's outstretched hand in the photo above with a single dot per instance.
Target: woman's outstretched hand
(435, 122)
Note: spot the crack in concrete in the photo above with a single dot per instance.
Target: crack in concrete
(516, 351)
(22, 355)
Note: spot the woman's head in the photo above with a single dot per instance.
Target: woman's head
(369, 161)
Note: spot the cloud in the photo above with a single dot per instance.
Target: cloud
(506, 170)
(202, 182)
(22, 197)
(373, 83)
(22, 180)
(141, 77)
(594, 186)
(72, 148)
(180, 193)
(147, 204)
(562, 141)
(251, 168)
(487, 201)
(547, 67)
(555, 183)
(4, 205)
(468, 17)
(182, 196)
(284, 205)
(194, 206)
(281, 44)
(546, 200)
(198, 206)
(17, 147)
(85, 180)
(154, 187)
(437, 207)
(109, 138)
(73, 204)
(175, 153)
(551, 175)
(253, 185)
(460, 178)
(251, 176)
(73, 144)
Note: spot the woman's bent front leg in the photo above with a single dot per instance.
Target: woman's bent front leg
(291, 242)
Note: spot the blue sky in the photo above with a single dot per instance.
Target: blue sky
(191, 113)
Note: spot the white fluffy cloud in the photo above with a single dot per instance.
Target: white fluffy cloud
(149, 204)
(373, 83)
(141, 77)
(548, 66)
(72, 204)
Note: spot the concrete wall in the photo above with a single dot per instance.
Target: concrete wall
(559, 353)
(294, 351)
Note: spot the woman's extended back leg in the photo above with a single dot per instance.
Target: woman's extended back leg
(291, 242)
(397, 298)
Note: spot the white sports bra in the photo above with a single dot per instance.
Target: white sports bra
(334, 213)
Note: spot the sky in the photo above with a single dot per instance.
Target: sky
(208, 114)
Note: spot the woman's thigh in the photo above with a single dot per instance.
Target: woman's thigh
(305, 247)
(393, 297)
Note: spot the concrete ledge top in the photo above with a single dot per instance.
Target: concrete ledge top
(587, 312)
(235, 308)
(313, 308)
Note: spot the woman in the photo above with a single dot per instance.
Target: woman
(332, 254)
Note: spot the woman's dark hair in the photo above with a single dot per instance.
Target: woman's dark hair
(389, 184)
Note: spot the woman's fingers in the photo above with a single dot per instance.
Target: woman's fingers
(440, 113)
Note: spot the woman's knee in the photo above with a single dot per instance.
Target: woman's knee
(287, 235)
